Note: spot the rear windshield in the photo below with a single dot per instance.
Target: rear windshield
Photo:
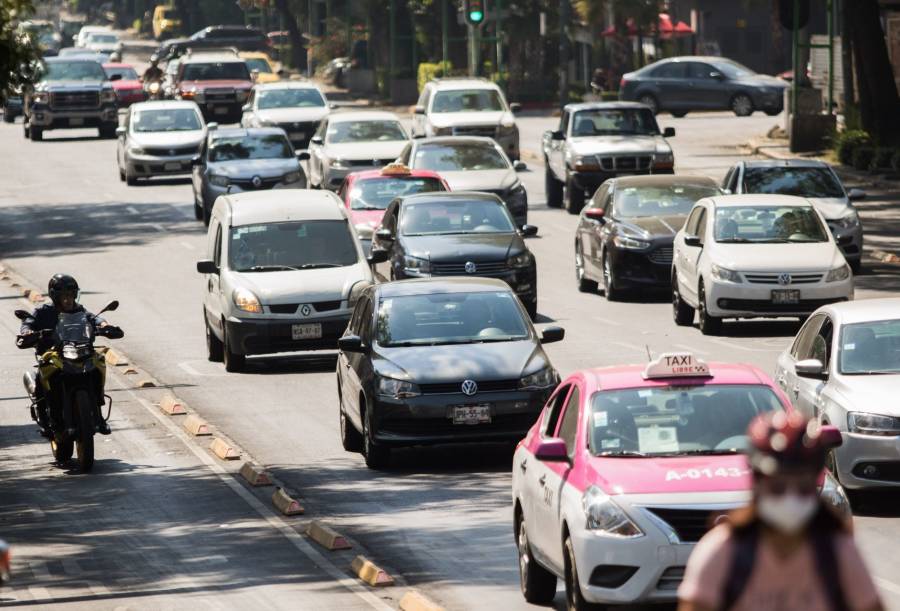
(216, 71)
(803, 182)
(166, 120)
(377, 193)
(365, 131)
(669, 200)
(459, 157)
(289, 98)
(268, 146)
(291, 245)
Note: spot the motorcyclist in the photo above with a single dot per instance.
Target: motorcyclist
(63, 292)
(153, 73)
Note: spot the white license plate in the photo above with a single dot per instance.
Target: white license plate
(786, 297)
(172, 165)
(73, 121)
(220, 110)
(310, 331)
(472, 414)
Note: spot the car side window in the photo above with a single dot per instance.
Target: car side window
(701, 225)
(568, 427)
(404, 156)
(564, 122)
(217, 247)
(699, 70)
(821, 344)
(323, 127)
(597, 200)
(690, 227)
(353, 325)
(424, 98)
(802, 347)
(726, 184)
(365, 322)
(669, 70)
(554, 408)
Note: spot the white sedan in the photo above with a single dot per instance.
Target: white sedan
(749, 256)
(844, 369)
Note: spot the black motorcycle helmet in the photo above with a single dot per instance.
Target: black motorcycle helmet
(59, 284)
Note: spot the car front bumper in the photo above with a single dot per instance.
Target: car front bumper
(46, 118)
(868, 461)
(746, 300)
(651, 268)
(271, 335)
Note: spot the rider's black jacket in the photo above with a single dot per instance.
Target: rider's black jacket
(45, 318)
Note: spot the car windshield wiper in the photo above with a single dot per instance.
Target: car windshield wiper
(318, 265)
(874, 372)
(733, 240)
(270, 268)
(707, 452)
(622, 454)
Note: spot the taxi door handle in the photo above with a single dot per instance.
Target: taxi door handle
(542, 480)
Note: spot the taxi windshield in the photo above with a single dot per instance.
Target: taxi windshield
(377, 193)
(450, 318)
(677, 420)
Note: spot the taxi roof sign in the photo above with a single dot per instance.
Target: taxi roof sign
(396, 169)
(676, 365)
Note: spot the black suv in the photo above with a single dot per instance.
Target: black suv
(239, 37)
(73, 92)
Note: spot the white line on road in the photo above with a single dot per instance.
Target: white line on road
(691, 349)
(189, 369)
(607, 321)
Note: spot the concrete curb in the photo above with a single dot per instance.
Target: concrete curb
(325, 536)
(370, 573)
(146, 384)
(415, 601)
(196, 426)
(255, 475)
(170, 404)
(115, 358)
(286, 504)
(223, 449)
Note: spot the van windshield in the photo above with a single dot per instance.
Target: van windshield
(291, 245)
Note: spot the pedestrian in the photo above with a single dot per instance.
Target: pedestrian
(787, 551)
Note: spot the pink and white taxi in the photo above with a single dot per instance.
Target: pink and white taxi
(626, 468)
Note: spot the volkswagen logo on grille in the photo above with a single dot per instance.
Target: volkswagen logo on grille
(305, 309)
(469, 387)
(173, 152)
(257, 181)
(784, 279)
(470, 267)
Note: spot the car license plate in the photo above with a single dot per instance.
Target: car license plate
(220, 110)
(172, 165)
(786, 297)
(311, 331)
(471, 414)
(75, 121)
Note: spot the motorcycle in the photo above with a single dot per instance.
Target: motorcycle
(153, 90)
(72, 378)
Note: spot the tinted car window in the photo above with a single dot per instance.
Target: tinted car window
(669, 70)
(377, 193)
(433, 218)
(605, 122)
(127, 73)
(759, 224)
(803, 182)
(473, 100)
(213, 71)
(289, 98)
(699, 70)
(568, 428)
(459, 157)
(635, 202)
(365, 131)
(268, 146)
(165, 120)
(450, 318)
(283, 246)
(732, 69)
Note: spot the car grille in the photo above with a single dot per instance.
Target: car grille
(661, 256)
(670, 579)
(773, 278)
(689, 524)
(220, 95)
(368, 163)
(488, 131)
(625, 163)
(452, 388)
(247, 183)
(74, 99)
(495, 268)
(500, 424)
(175, 151)
(290, 308)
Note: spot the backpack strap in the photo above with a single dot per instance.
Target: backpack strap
(745, 543)
(823, 543)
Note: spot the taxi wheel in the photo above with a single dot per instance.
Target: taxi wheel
(709, 325)
(681, 311)
(537, 583)
(574, 598)
(377, 457)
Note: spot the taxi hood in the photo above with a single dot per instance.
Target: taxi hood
(725, 473)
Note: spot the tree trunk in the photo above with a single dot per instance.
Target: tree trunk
(878, 100)
(298, 48)
(847, 56)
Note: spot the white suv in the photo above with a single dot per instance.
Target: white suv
(467, 107)
(749, 256)
(283, 272)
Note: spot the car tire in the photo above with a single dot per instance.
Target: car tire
(107, 133)
(682, 313)
(678, 113)
(205, 213)
(130, 180)
(121, 175)
(377, 456)
(648, 99)
(575, 600)
(537, 583)
(742, 105)
(574, 197)
(234, 361)
(198, 208)
(552, 188)
(584, 284)
(35, 133)
(709, 325)
(610, 291)
(215, 350)
(8, 118)
(773, 112)
(856, 267)
(351, 439)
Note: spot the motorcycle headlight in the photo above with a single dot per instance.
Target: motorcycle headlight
(40, 98)
(246, 301)
(218, 180)
(523, 259)
(606, 517)
(417, 265)
(397, 389)
(873, 424)
(291, 177)
(356, 290)
(838, 273)
(833, 494)
(849, 220)
(623, 241)
(545, 378)
(70, 352)
(108, 95)
(724, 275)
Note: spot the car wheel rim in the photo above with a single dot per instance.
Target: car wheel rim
(741, 104)
(607, 275)
(579, 267)
(523, 554)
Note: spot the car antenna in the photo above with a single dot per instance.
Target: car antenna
(649, 356)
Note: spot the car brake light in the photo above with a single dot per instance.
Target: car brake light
(622, 83)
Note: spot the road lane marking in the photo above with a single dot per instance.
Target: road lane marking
(187, 368)
(884, 584)
(691, 349)
(607, 321)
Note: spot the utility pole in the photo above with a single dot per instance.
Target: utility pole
(564, 19)
(445, 46)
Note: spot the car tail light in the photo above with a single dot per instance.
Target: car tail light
(622, 83)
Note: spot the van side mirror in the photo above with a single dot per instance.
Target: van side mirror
(552, 450)
(207, 267)
(515, 107)
(669, 132)
(812, 369)
(552, 334)
(557, 135)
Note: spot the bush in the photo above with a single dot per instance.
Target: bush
(895, 161)
(427, 72)
(881, 159)
(847, 141)
(862, 157)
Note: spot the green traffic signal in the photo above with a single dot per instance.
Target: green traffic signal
(476, 16)
(474, 11)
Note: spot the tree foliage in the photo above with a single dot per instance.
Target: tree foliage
(18, 52)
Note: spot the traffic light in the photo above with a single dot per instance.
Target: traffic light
(475, 12)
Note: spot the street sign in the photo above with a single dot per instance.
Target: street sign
(475, 12)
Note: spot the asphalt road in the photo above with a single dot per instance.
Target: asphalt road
(441, 517)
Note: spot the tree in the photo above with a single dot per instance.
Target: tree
(18, 53)
(291, 11)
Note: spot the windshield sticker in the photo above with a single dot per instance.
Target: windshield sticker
(706, 473)
(645, 393)
(606, 444)
(849, 346)
(658, 439)
(600, 419)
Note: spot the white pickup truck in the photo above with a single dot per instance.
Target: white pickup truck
(600, 140)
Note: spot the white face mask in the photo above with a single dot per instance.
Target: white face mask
(788, 512)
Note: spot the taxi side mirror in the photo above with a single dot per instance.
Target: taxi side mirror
(831, 436)
(552, 450)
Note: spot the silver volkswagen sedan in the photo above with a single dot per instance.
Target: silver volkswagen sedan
(844, 368)
(159, 138)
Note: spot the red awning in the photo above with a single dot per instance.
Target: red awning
(664, 26)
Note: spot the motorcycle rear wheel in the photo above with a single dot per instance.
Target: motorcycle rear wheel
(84, 442)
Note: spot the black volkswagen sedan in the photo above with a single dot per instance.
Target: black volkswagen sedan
(624, 235)
(458, 234)
(682, 84)
(435, 361)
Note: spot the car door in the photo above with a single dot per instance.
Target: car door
(708, 90)
(670, 86)
(213, 300)
(317, 155)
(348, 365)
(802, 348)
(557, 155)
(688, 271)
(592, 232)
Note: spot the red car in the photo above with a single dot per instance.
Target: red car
(367, 194)
(128, 86)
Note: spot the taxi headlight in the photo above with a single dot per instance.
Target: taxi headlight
(218, 180)
(606, 517)
(397, 389)
(623, 241)
(833, 494)
(873, 424)
(838, 273)
(523, 259)
(417, 265)
(851, 219)
(246, 301)
(724, 275)
(544, 378)
(356, 291)
(291, 177)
